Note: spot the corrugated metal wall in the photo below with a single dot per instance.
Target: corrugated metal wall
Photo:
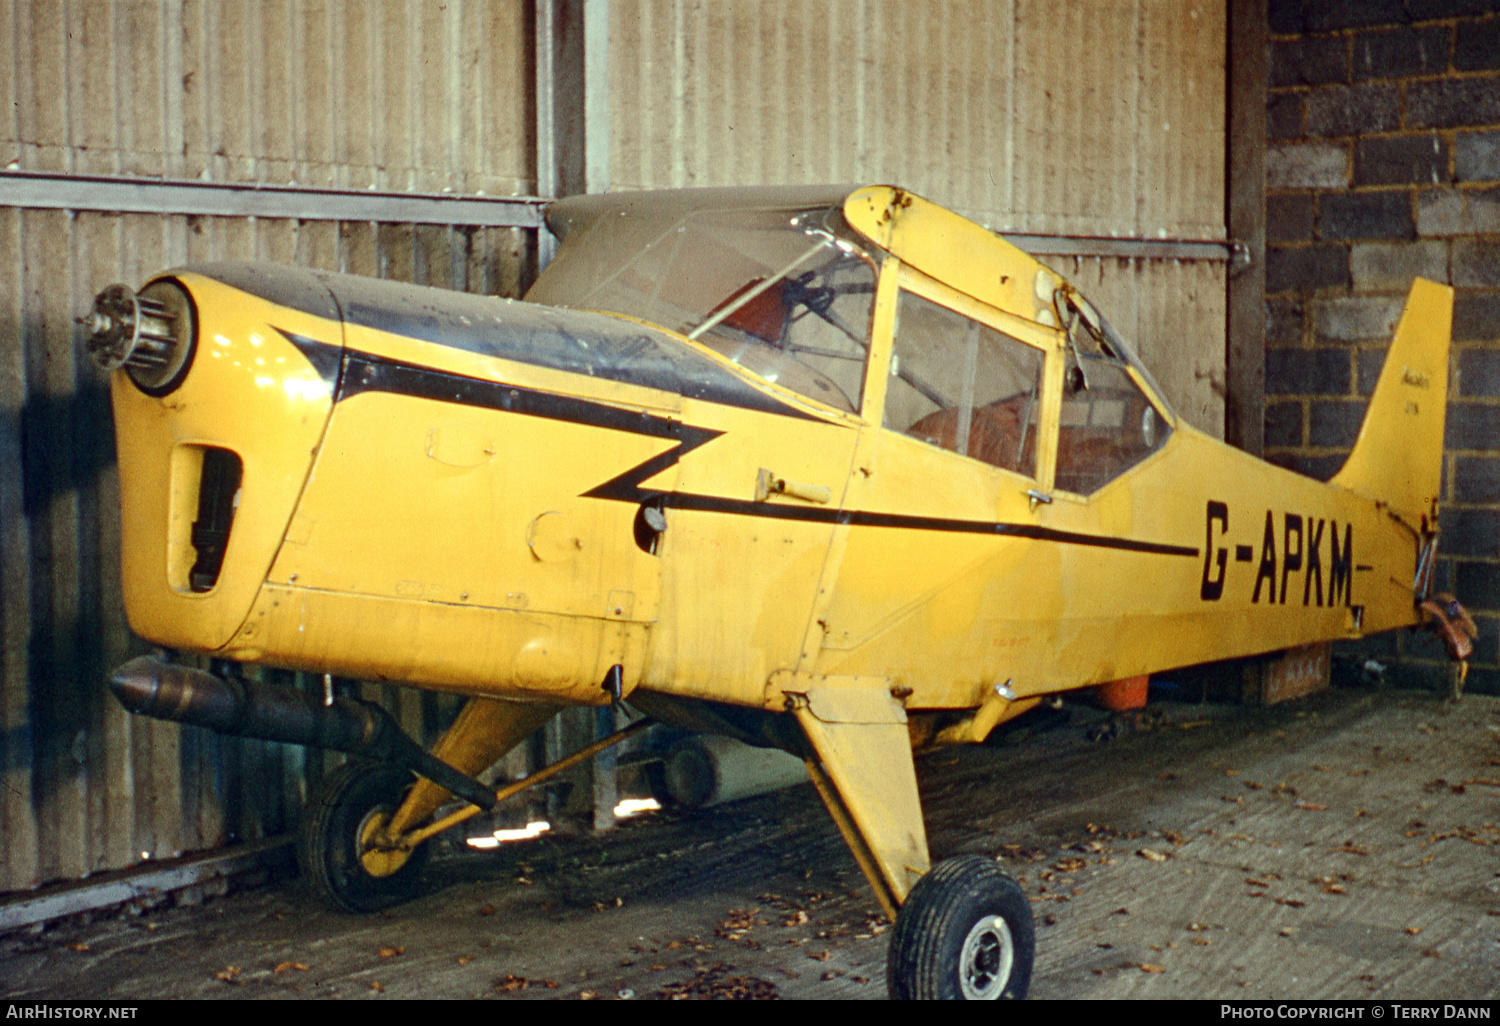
(381, 94)
(1101, 118)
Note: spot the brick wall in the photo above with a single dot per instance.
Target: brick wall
(1383, 164)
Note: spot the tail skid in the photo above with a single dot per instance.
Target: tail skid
(1398, 457)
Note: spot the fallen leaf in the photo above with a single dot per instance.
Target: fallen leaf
(486, 910)
(78, 947)
(1333, 889)
(391, 952)
(228, 974)
(1147, 967)
(1152, 855)
(465, 959)
(1413, 930)
(1310, 807)
(375, 985)
(1291, 902)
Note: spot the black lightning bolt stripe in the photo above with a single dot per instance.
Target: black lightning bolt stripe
(365, 373)
(325, 358)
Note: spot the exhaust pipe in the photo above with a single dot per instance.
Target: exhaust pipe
(271, 712)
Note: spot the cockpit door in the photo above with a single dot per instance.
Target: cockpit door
(944, 487)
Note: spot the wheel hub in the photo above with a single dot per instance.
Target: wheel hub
(377, 860)
(986, 959)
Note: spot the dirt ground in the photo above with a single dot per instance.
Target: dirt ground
(1342, 846)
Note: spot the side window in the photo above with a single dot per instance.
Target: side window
(1105, 427)
(963, 386)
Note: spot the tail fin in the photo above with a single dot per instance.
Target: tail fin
(1398, 457)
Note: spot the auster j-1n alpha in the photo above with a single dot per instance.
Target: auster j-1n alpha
(831, 470)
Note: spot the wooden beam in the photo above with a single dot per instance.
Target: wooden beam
(1245, 217)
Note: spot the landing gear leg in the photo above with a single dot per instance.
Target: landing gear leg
(963, 928)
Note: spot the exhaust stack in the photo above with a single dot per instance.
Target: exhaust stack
(270, 712)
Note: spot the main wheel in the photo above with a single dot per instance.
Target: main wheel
(336, 849)
(964, 933)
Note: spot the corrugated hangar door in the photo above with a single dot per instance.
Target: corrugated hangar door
(1094, 133)
(136, 137)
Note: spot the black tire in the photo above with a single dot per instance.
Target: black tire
(964, 933)
(330, 849)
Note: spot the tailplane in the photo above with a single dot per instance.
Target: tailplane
(1398, 457)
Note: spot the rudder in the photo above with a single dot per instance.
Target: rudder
(1398, 457)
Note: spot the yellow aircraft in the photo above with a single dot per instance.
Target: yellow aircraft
(828, 469)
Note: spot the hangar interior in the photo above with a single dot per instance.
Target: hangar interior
(1245, 188)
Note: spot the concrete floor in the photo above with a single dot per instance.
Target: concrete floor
(1343, 846)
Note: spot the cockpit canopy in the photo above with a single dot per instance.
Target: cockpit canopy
(778, 281)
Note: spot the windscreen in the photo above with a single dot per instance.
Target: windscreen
(784, 292)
